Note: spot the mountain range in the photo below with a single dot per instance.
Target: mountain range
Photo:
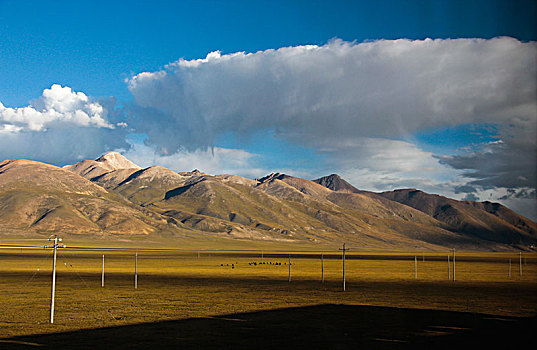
(113, 197)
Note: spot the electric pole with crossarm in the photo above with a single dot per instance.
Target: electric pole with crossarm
(55, 247)
(343, 251)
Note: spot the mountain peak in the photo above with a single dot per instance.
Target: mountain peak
(336, 183)
(273, 176)
(116, 160)
(194, 172)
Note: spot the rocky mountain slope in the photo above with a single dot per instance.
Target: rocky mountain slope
(336, 183)
(37, 197)
(102, 165)
(112, 195)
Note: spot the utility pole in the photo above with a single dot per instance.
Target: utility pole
(454, 264)
(102, 274)
(322, 268)
(448, 268)
(415, 267)
(289, 268)
(343, 252)
(520, 264)
(53, 292)
(136, 271)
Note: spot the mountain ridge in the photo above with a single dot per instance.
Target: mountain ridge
(276, 207)
(38, 197)
(467, 216)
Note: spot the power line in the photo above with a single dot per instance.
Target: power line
(24, 239)
(88, 287)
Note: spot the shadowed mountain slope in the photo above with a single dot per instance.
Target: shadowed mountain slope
(485, 220)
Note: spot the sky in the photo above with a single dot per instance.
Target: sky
(435, 95)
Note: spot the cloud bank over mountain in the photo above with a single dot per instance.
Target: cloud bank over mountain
(357, 105)
(385, 88)
(344, 97)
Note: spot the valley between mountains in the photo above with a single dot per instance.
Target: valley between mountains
(113, 197)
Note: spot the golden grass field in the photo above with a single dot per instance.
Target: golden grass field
(177, 284)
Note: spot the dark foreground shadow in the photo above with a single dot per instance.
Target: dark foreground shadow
(314, 327)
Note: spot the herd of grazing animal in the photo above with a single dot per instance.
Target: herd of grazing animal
(254, 263)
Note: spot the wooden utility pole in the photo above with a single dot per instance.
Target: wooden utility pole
(454, 264)
(322, 268)
(448, 268)
(520, 264)
(53, 294)
(415, 267)
(53, 291)
(102, 274)
(289, 268)
(136, 271)
(343, 257)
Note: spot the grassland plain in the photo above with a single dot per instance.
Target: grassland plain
(181, 284)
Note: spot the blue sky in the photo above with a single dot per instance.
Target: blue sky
(93, 46)
(99, 49)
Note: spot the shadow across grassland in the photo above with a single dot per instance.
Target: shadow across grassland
(315, 327)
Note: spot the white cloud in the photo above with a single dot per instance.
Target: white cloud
(340, 90)
(61, 126)
(216, 161)
(379, 154)
(384, 165)
(341, 93)
(57, 105)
